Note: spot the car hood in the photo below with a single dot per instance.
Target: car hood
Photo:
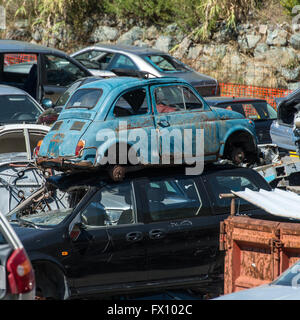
(265, 292)
(25, 233)
(193, 77)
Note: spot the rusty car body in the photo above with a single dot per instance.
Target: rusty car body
(157, 106)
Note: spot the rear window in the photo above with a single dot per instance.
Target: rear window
(84, 98)
(166, 63)
(256, 110)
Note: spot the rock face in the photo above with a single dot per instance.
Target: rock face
(104, 34)
(261, 54)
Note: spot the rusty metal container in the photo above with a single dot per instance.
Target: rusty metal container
(257, 251)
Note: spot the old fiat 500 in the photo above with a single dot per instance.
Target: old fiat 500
(150, 121)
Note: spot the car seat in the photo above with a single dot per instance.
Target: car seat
(127, 216)
(156, 206)
(30, 84)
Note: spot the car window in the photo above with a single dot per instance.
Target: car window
(84, 98)
(256, 110)
(18, 108)
(172, 199)
(19, 62)
(131, 103)
(122, 62)
(66, 95)
(60, 71)
(166, 63)
(175, 98)
(290, 277)
(226, 183)
(111, 206)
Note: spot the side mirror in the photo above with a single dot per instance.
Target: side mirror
(47, 103)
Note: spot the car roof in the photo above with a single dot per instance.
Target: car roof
(128, 81)
(220, 100)
(130, 49)
(65, 181)
(22, 46)
(4, 90)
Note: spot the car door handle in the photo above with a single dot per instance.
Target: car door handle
(163, 123)
(157, 234)
(49, 92)
(134, 236)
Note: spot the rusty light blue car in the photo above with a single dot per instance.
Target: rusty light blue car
(156, 106)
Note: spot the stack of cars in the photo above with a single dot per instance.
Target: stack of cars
(89, 235)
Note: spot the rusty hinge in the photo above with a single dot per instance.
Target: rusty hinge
(275, 244)
(223, 237)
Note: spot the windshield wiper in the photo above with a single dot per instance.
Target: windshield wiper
(24, 223)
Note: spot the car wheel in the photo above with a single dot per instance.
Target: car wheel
(237, 155)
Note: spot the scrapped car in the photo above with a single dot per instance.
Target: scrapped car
(86, 235)
(285, 287)
(17, 279)
(155, 108)
(19, 176)
(50, 115)
(41, 71)
(106, 59)
(257, 110)
(282, 131)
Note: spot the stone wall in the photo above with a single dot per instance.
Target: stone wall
(262, 55)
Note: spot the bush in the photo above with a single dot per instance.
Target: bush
(289, 4)
(196, 16)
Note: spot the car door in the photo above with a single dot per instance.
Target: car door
(131, 117)
(178, 228)
(110, 249)
(178, 111)
(58, 74)
(282, 134)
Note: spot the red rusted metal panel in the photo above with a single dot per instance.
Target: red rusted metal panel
(252, 252)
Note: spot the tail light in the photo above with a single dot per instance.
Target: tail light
(20, 272)
(79, 147)
(37, 148)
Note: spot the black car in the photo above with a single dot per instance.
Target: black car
(41, 71)
(257, 110)
(86, 235)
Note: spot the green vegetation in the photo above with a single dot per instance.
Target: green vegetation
(289, 4)
(198, 17)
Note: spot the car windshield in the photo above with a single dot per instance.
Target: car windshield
(84, 98)
(290, 277)
(18, 108)
(166, 63)
(49, 207)
(255, 110)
